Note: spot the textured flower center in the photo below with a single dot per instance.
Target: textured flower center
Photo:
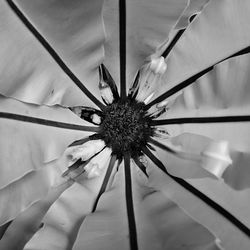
(125, 127)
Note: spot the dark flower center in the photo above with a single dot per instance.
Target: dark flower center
(125, 127)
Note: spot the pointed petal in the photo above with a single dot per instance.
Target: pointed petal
(235, 202)
(162, 224)
(29, 72)
(222, 92)
(25, 225)
(107, 228)
(25, 146)
(148, 25)
(213, 36)
(64, 218)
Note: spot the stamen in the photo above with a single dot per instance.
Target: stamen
(107, 86)
(149, 79)
(125, 127)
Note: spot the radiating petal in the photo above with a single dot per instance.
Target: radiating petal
(75, 32)
(107, 228)
(222, 92)
(235, 202)
(17, 196)
(148, 25)
(189, 166)
(25, 225)
(162, 224)
(234, 170)
(25, 146)
(217, 33)
(63, 220)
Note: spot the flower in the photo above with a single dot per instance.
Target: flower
(135, 148)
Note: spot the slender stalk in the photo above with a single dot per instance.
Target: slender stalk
(45, 122)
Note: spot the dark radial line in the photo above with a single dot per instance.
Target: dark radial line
(45, 122)
(122, 38)
(80, 142)
(54, 54)
(172, 43)
(243, 228)
(140, 165)
(129, 203)
(3, 228)
(178, 87)
(241, 52)
(160, 145)
(212, 119)
(192, 79)
(105, 181)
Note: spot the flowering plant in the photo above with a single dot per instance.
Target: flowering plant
(118, 124)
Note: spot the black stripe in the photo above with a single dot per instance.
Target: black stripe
(213, 119)
(172, 43)
(243, 228)
(158, 144)
(54, 54)
(105, 181)
(178, 87)
(3, 228)
(192, 79)
(241, 52)
(130, 206)
(122, 28)
(45, 122)
(80, 142)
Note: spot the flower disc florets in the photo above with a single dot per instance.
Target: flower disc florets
(125, 127)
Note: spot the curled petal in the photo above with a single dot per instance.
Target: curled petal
(87, 150)
(149, 79)
(217, 158)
